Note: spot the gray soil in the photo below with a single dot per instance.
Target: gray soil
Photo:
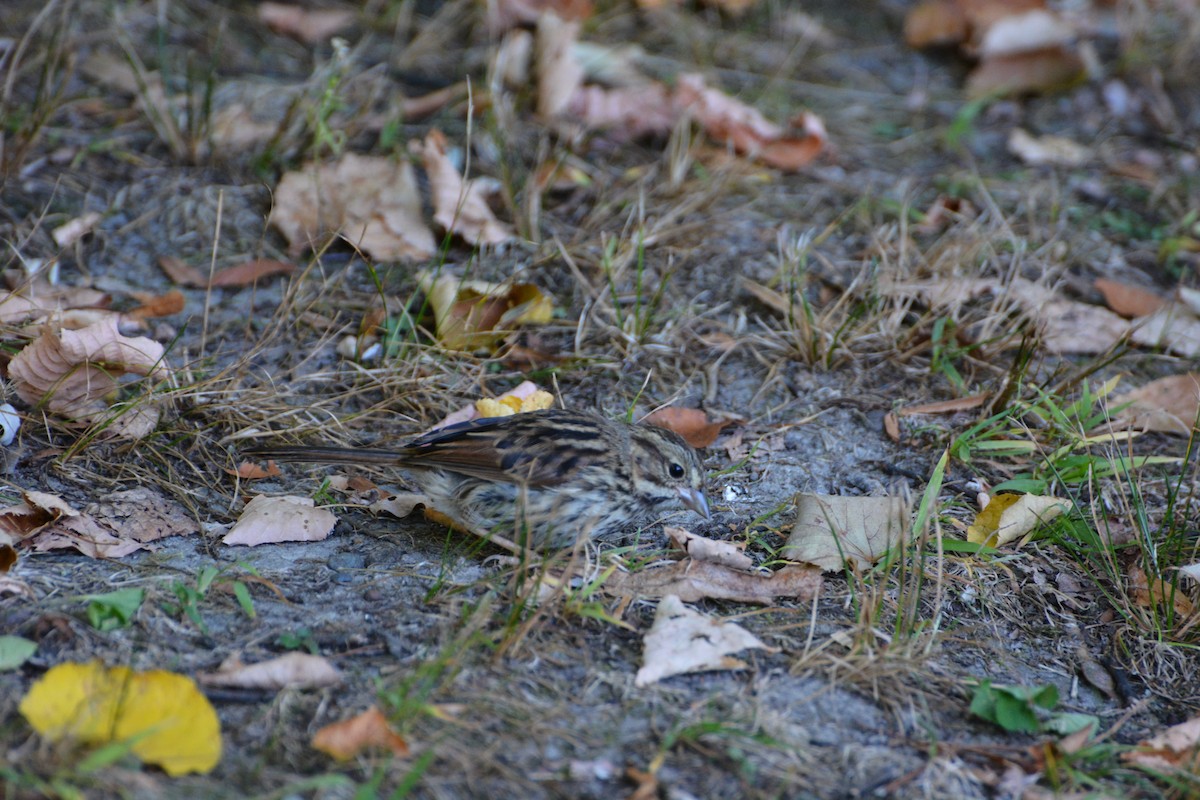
(498, 698)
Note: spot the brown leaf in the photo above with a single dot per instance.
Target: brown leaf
(280, 519)
(163, 305)
(1174, 327)
(945, 406)
(182, 273)
(252, 271)
(695, 580)
(371, 202)
(1176, 749)
(294, 670)
(935, 23)
(308, 25)
(370, 729)
(505, 14)
(459, 207)
(1127, 300)
(116, 526)
(1168, 405)
(476, 315)
(833, 529)
(1036, 71)
(690, 423)
(72, 372)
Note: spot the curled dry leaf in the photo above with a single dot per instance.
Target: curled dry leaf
(831, 530)
(308, 25)
(682, 640)
(1167, 405)
(371, 202)
(40, 299)
(71, 372)
(370, 729)
(459, 207)
(280, 519)
(294, 670)
(182, 273)
(701, 548)
(1010, 516)
(525, 396)
(70, 232)
(690, 423)
(476, 315)
(695, 580)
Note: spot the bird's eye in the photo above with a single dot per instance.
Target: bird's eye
(675, 471)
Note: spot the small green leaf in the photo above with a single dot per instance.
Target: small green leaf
(244, 599)
(113, 610)
(15, 651)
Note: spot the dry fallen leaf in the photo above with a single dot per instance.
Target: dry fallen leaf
(72, 231)
(280, 519)
(1168, 405)
(682, 640)
(122, 523)
(1071, 327)
(294, 670)
(701, 548)
(525, 396)
(1051, 69)
(182, 273)
(459, 207)
(831, 530)
(371, 202)
(165, 719)
(1047, 150)
(559, 73)
(1127, 300)
(370, 729)
(695, 580)
(39, 300)
(1177, 749)
(70, 373)
(505, 14)
(252, 272)
(163, 305)
(249, 471)
(1010, 516)
(945, 406)
(1174, 327)
(1160, 593)
(309, 25)
(476, 315)
(690, 423)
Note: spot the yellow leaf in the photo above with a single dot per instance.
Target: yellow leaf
(1011, 516)
(170, 722)
(475, 315)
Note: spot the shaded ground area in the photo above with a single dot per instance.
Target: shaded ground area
(869, 691)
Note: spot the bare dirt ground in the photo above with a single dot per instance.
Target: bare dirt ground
(868, 691)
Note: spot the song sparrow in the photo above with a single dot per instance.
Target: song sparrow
(552, 476)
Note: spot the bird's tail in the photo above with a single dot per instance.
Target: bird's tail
(329, 455)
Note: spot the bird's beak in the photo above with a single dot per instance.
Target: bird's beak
(695, 500)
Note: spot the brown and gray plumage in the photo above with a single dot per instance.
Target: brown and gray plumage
(556, 475)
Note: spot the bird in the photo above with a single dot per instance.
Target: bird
(546, 478)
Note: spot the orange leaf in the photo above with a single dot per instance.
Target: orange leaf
(163, 305)
(251, 271)
(250, 471)
(690, 423)
(346, 739)
(1127, 300)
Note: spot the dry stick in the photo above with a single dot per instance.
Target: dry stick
(212, 268)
